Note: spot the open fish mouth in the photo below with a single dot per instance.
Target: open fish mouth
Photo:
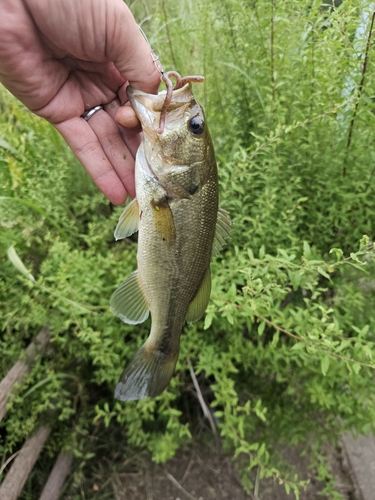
(167, 100)
(149, 108)
(156, 101)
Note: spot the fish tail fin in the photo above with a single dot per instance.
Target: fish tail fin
(147, 374)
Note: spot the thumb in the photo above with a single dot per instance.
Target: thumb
(129, 50)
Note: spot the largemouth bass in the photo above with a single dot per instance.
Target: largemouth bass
(177, 217)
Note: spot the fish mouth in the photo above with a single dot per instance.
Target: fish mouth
(148, 107)
(156, 101)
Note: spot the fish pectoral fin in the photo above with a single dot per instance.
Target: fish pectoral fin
(163, 219)
(223, 230)
(199, 304)
(128, 301)
(128, 222)
(147, 374)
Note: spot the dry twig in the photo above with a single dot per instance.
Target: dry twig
(205, 409)
(178, 485)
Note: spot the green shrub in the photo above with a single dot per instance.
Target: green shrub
(285, 352)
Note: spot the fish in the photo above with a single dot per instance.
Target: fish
(180, 227)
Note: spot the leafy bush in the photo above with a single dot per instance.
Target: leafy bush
(285, 352)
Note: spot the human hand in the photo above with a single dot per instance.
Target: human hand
(62, 57)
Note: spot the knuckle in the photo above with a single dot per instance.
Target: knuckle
(85, 149)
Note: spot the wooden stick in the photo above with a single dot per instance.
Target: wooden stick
(15, 374)
(22, 465)
(56, 479)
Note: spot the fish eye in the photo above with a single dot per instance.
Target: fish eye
(196, 125)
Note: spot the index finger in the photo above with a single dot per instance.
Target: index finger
(128, 49)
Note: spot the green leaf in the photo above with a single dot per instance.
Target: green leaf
(338, 253)
(208, 321)
(295, 279)
(261, 328)
(324, 364)
(298, 346)
(5, 145)
(367, 351)
(275, 338)
(360, 267)
(17, 262)
(324, 273)
(306, 250)
(356, 367)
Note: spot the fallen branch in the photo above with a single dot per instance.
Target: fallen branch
(15, 374)
(22, 465)
(56, 479)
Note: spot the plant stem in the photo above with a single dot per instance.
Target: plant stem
(272, 50)
(359, 93)
(168, 34)
(311, 344)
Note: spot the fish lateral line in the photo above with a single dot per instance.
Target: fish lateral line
(180, 82)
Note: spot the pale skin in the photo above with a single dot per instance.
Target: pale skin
(63, 57)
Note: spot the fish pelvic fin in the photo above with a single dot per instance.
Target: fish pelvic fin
(147, 374)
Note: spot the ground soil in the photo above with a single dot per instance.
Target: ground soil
(200, 472)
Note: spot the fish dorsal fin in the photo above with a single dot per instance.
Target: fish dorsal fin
(199, 304)
(128, 221)
(223, 230)
(128, 301)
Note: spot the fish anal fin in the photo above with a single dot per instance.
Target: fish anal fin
(199, 304)
(163, 219)
(147, 374)
(128, 301)
(223, 230)
(128, 221)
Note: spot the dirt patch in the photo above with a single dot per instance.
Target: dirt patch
(197, 472)
(200, 472)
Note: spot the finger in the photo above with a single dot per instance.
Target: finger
(126, 116)
(85, 145)
(122, 95)
(126, 46)
(131, 135)
(117, 152)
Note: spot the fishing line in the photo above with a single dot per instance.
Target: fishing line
(154, 57)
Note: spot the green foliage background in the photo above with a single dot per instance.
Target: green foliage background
(285, 352)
